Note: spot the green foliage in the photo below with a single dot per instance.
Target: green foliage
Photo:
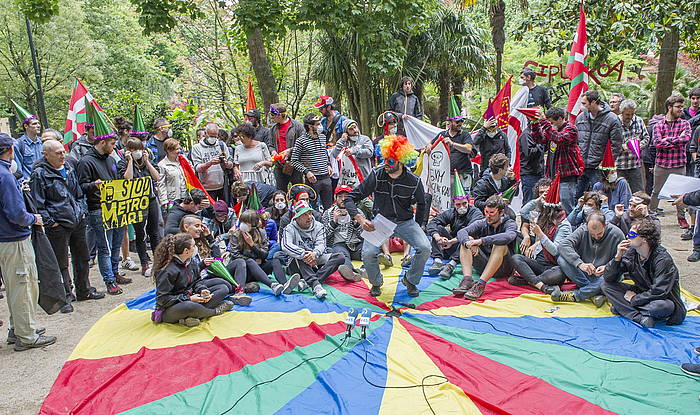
(161, 16)
(38, 11)
(183, 123)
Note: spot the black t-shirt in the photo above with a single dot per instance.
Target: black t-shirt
(539, 97)
(459, 161)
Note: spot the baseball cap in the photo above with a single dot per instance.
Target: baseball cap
(342, 188)
(6, 142)
(323, 100)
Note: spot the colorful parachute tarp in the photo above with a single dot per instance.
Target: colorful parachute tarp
(502, 354)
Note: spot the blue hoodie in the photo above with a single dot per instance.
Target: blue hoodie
(15, 222)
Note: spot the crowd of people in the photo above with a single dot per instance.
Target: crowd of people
(285, 206)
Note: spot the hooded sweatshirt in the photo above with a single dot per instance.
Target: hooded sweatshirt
(295, 240)
(580, 246)
(91, 167)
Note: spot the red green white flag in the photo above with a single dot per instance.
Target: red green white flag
(577, 67)
(75, 120)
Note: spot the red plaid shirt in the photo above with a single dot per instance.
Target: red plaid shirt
(670, 138)
(567, 156)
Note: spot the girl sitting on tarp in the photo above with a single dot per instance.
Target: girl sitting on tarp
(182, 296)
(249, 246)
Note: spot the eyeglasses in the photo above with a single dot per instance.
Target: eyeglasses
(632, 235)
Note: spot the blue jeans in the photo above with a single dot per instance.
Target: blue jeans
(109, 243)
(529, 182)
(588, 285)
(567, 195)
(696, 233)
(410, 232)
(586, 181)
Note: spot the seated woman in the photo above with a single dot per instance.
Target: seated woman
(589, 202)
(615, 188)
(531, 211)
(181, 295)
(538, 266)
(278, 206)
(249, 252)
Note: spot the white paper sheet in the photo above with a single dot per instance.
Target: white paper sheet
(383, 229)
(678, 185)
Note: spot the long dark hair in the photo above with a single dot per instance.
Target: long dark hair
(170, 246)
(252, 218)
(550, 217)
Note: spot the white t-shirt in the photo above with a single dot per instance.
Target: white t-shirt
(246, 158)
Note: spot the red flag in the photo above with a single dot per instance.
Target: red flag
(577, 67)
(489, 113)
(530, 113)
(191, 179)
(501, 105)
(250, 100)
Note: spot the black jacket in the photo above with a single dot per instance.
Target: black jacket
(91, 167)
(692, 198)
(486, 187)
(531, 155)
(488, 146)
(593, 135)
(176, 282)
(393, 198)
(175, 215)
(655, 279)
(58, 200)
(450, 218)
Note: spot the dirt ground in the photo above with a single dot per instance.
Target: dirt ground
(28, 376)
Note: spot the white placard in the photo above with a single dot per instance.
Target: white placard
(383, 229)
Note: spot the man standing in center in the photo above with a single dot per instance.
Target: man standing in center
(310, 158)
(395, 191)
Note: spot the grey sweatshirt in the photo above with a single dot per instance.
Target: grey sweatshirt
(580, 247)
(295, 240)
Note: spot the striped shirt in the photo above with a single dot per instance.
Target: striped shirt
(309, 154)
(670, 138)
(636, 129)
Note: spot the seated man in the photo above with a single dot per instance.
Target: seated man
(296, 193)
(304, 240)
(241, 190)
(194, 201)
(656, 293)
(443, 230)
(487, 244)
(223, 218)
(495, 181)
(639, 208)
(583, 257)
(343, 234)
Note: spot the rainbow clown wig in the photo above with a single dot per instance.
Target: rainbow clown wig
(396, 148)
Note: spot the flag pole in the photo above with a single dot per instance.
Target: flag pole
(37, 75)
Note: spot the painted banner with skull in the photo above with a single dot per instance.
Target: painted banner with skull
(439, 176)
(350, 173)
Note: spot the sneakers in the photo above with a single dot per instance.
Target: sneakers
(385, 260)
(599, 300)
(375, 291)
(41, 341)
(463, 286)
(225, 306)
(68, 308)
(320, 292)
(302, 286)
(291, 283)
(410, 288)
(406, 261)
(563, 296)
(122, 280)
(547, 289)
(129, 264)
(687, 235)
(189, 322)
(277, 288)
(517, 281)
(240, 298)
(446, 272)
(691, 369)
(646, 322)
(683, 223)
(436, 267)
(113, 288)
(93, 295)
(251, 287)
(695, 256)
(476, 291)
(12, 339)
(348, 273)
(146, 270)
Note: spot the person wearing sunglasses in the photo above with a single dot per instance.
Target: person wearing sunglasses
(656, 293)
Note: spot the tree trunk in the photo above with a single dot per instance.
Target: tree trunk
(262, 68)
(443, 85)
(668, 57)
(364, 94)
(497, 12)
(458, 88)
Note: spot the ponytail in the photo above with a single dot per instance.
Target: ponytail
(170, 246)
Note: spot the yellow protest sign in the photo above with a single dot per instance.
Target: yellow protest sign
(123, 201)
